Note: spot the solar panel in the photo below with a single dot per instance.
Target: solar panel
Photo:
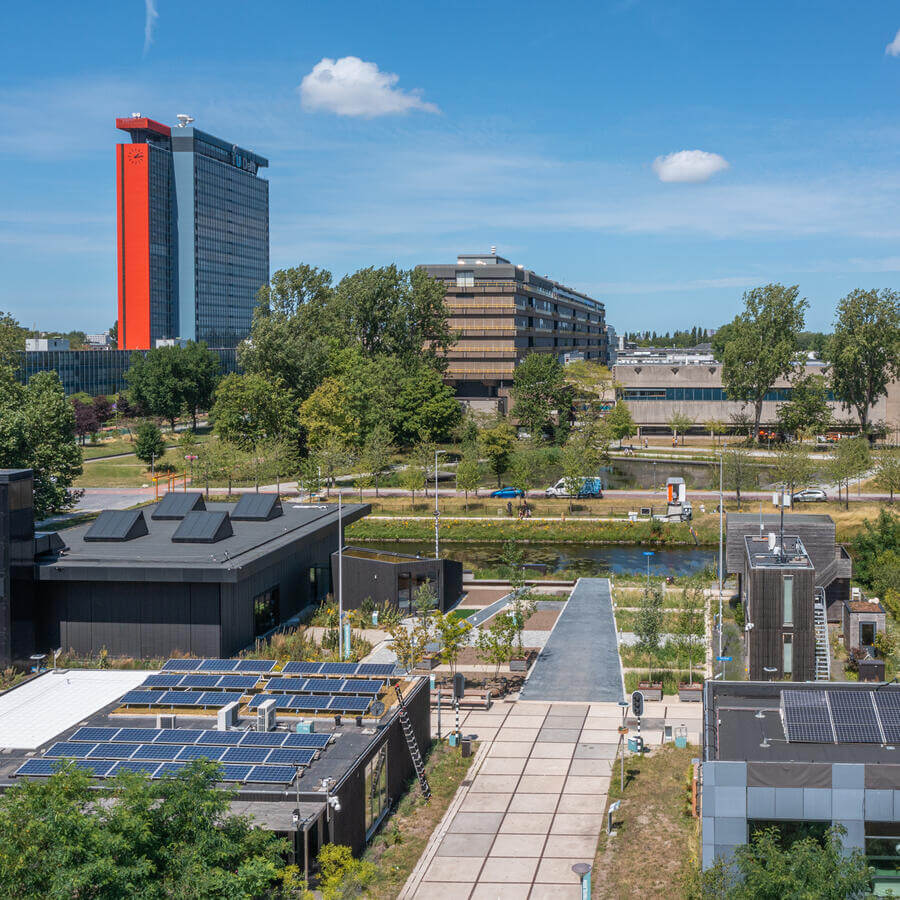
(291, 757)
(178, 735)
(217, 665)
(363, 686)
(888, 704)
(38, 767)
(302, 668)
(221, 738)
(157, 751)
(311, 703)
(195, 751)
(97, 767)
(199, 681)
(338, 668)
(117, 525)
(169, 768)
(286, 684)
(263, 739)
(140, 698)
(219, 698)
(135, 765)
(176, 506)
(112, 751)
(319, 685)
(262, 666)
(179, 698)
(162, 681)
(69, 749)
(203, 528)
(257, 508)
(235, 772)
(181, 665)
(854, 717)
(316, 741)
(350, 704)
(94, 734)
(806, 716)
(238, 682)
(376, 670)
(251, 755)
(138, 735)
(282, 701)
(272, 774)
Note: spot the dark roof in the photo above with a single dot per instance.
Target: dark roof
(872, 605)
(118, 525)
(176, 506)
(760, 556)
(155, 557)
(257, 508)
(203, 527)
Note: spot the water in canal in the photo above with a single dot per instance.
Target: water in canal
(568, 558)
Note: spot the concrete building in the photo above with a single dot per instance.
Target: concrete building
(193, 235)
(807, 756)
(504, 312)
(45, 344)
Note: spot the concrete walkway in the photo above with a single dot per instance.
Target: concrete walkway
(580, 660)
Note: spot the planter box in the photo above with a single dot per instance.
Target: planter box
(518, 665)
(692, 693)
(427, 664)
(650, 691)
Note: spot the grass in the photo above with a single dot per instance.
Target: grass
(655, 852)
(626, 620)
(461, 613)
(397, 847)
(670, 680)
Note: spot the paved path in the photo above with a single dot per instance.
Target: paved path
(484, 614)
(534, 802)
(580, 660)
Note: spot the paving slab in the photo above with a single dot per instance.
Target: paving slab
(593, 750)
(533, 803)
(586, 784)
(576, 823)
(503, 765)
(582, 847)
(527, 823)
(590, 767)
(542, 784)
(520, 749)
(591, 736)
(553, 750)
(466, 845)
(559, 735)
(508, 869)
(569, 708)
(563, 722)
(454, 868)
(559, 870)
(443, 891)
(518, 845)
(476, 823)
(494, 784)
(523, 708)
(580, 660)
(581, 803)
(485, 802)
(535, 721)
(507, 733)
(555, 892)
(552, 766)
(488, 891)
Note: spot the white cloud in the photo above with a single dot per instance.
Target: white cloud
(893, 48)
(150, 17)
(352, 87)
(689, 166)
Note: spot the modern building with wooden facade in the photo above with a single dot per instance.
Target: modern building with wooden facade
(502, 312)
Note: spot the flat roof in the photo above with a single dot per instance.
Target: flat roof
(792, 556)
(155, 556)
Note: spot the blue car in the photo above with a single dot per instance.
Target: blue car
(508, 492)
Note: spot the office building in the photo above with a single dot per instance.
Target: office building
(502, 313)
(193, 235)
(44, 344)
(800, 758)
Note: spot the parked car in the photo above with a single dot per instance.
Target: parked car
(508, 492)
(592, 488)
(809, 495)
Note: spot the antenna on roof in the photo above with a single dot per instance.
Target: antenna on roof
(135, 115)
(493, 250)
(184, 119)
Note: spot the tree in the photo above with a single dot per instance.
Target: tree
(86, 419)
(715, 427)
(377, 453)
(103, 408)
(807, 412)
(333, 455)
(497, 443)
(620, 422)
(410, 643)
(887, 476)
(851, 459)
(762, 345)
(453, 635)
(172, 837)
(249, 408)
(413, 477)
(425, 409)
(872, 544)
(523, 603)
(495, 643)
(679, 423)
(327, 414)
(739, 472)
(149, 444)
(425, 602)
(771, 867)
(648, 622)
(576, 465)
(690, 622)
(309, 478)
(865, 349)
(538, 383)
(468, 474)
(12, 340)
(522, 472)
(793, 466)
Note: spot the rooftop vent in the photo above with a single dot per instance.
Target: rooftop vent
(118, 525)
(257, 508)
(203, 527)
(176, 506)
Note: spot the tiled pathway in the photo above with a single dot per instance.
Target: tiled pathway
(534, 802)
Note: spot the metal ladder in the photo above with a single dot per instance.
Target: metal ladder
(823, 653)
(413, 745)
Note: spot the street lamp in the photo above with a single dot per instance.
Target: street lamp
(721, 520)
(340, 585)
(437, 513)
(648, 554)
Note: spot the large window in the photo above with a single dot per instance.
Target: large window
(376, 789)
(883, 854)
(787, 597)
(787, 654)
(265, 610)
(866, 634)
(465, 279)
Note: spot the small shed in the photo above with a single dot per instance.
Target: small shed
(863, 621)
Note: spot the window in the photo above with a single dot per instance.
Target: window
(404, 590)
(465, 279)
(866, 634)
(787, 598)
(376, 789)
(787, 654)
(265, 610)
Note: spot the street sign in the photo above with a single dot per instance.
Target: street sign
(723, 659)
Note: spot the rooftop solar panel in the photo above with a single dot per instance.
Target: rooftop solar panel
(272, 774)
(69, 749)
(196, 751)
(338, 668)
(853, 713)
(157, 751)
(97, 767)
(263, 739)
(217, 665)
(806, 716)
(176, 506)
(308, 702)
(178, 735)
(112, 750)
(888, 704)
(137, 735)
(290, 757)
(117, 525)
(282, 701)
(38, 767)
(259, 699)
(140, 698)
(262, 666)
(252, 755)
(196, 680)
(313, 741)
(320, 685)
(181, 665)
(232, 772)
(168, 769)
(286, 684)
(179, 698)
(93, 735)
(203, 528)
(363, 686)
(219, 698)
(168, 680)
(135, 765)
(350, 704)
(376, 670)
(301, 668)
(238, 682)
(257, 508)
(221, 738)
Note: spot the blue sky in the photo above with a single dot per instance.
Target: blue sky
(540, 128)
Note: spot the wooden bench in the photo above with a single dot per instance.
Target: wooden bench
(470, 700)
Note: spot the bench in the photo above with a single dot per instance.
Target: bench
(469, 700)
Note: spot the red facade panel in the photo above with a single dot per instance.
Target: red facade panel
(131, 124)
(133, 189)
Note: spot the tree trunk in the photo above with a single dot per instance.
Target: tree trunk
(376, 484)
(467, 501)
(757, 415)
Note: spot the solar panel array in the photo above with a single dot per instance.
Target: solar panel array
(204, 699)
(94, 735)
(325, 686)
(200, 680)
(314, 703)
(294, 667)
(841, 716)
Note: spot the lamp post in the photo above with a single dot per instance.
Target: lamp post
(648, 554)
(340, 584)
(583, 871)
(721, 520)
(437, 513)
